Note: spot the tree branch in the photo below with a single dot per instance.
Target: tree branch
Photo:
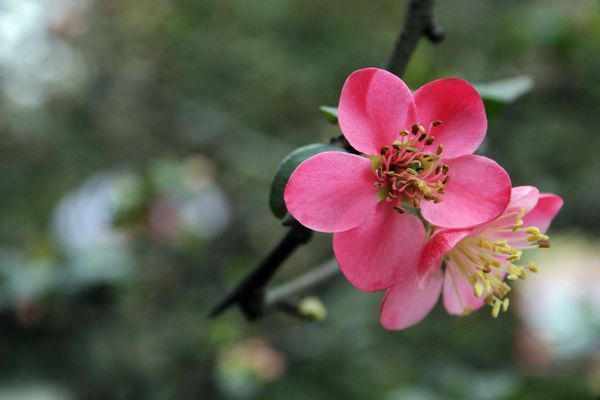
(302, 284)
(249, 292)
(418, 22)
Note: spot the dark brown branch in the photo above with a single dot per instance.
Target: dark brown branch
(249, 292)
(418, 22)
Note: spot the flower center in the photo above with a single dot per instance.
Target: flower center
(411, 169)
(485, 259)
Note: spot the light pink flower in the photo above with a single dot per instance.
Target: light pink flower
(418, 153)
(478, 262)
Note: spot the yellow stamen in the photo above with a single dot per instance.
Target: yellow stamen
(468, 310)
(488, 257)
(496, 309)
(505, 304)
(532, 266)
(478, 290)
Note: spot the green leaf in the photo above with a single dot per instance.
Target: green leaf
(496, 95)
(331, 113)
(506, 90)
(285, 169)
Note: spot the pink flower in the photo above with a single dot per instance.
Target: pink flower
(417, 153)
(478, 262)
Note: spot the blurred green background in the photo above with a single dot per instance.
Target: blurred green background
(139, 140)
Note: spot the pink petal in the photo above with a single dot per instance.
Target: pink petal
(523, 197)
(460, 108)
(382, 251)
(375, 105)
(458, 292)
(478, 191)
(435, 249)
(406, 304)
(331, 191)
(544, 212)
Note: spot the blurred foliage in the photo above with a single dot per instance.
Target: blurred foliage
(140, 139)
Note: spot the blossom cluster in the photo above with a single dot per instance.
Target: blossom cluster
(417, 213)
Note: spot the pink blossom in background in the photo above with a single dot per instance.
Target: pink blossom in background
(417, 152)
(478, 262)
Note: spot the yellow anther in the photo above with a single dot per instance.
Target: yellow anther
(515, 256)
(505, 250)
(466, 311)
(513, 269)
(523, 274)
(404, 132)
(489, 299)
(496, 309)
(478, 290)
(505, 304)
(488, 286)
(532, 266)
(532, 230)
(512, 277)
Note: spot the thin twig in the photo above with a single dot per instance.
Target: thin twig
(249, 292)
(418, 22)
(302, 284)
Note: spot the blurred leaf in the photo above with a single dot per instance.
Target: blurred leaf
(496, 95)
(331, 113)
(506, 90)
(285, 169)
